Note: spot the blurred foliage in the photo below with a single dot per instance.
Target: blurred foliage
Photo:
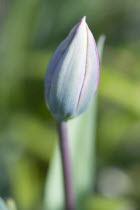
(108, 204)
(30, 30)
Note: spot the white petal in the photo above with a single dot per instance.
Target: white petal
(69, 74)
(91, 75)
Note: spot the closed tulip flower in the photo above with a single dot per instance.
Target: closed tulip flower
(73, 73)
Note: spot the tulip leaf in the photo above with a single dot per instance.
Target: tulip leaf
(82, 131)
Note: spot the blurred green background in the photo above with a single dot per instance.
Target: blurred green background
(30, 30)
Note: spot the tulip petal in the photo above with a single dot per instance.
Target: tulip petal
(61, 49)
(72, 74)
(67, 83)
(91, 79)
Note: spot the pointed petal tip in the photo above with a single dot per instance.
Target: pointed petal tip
(83, 19)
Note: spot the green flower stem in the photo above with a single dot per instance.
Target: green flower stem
(66, 166)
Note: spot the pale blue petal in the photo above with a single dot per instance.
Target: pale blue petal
(91, 76)
(68, 77)
(61, 49)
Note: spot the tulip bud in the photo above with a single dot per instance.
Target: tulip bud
(72, 74)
